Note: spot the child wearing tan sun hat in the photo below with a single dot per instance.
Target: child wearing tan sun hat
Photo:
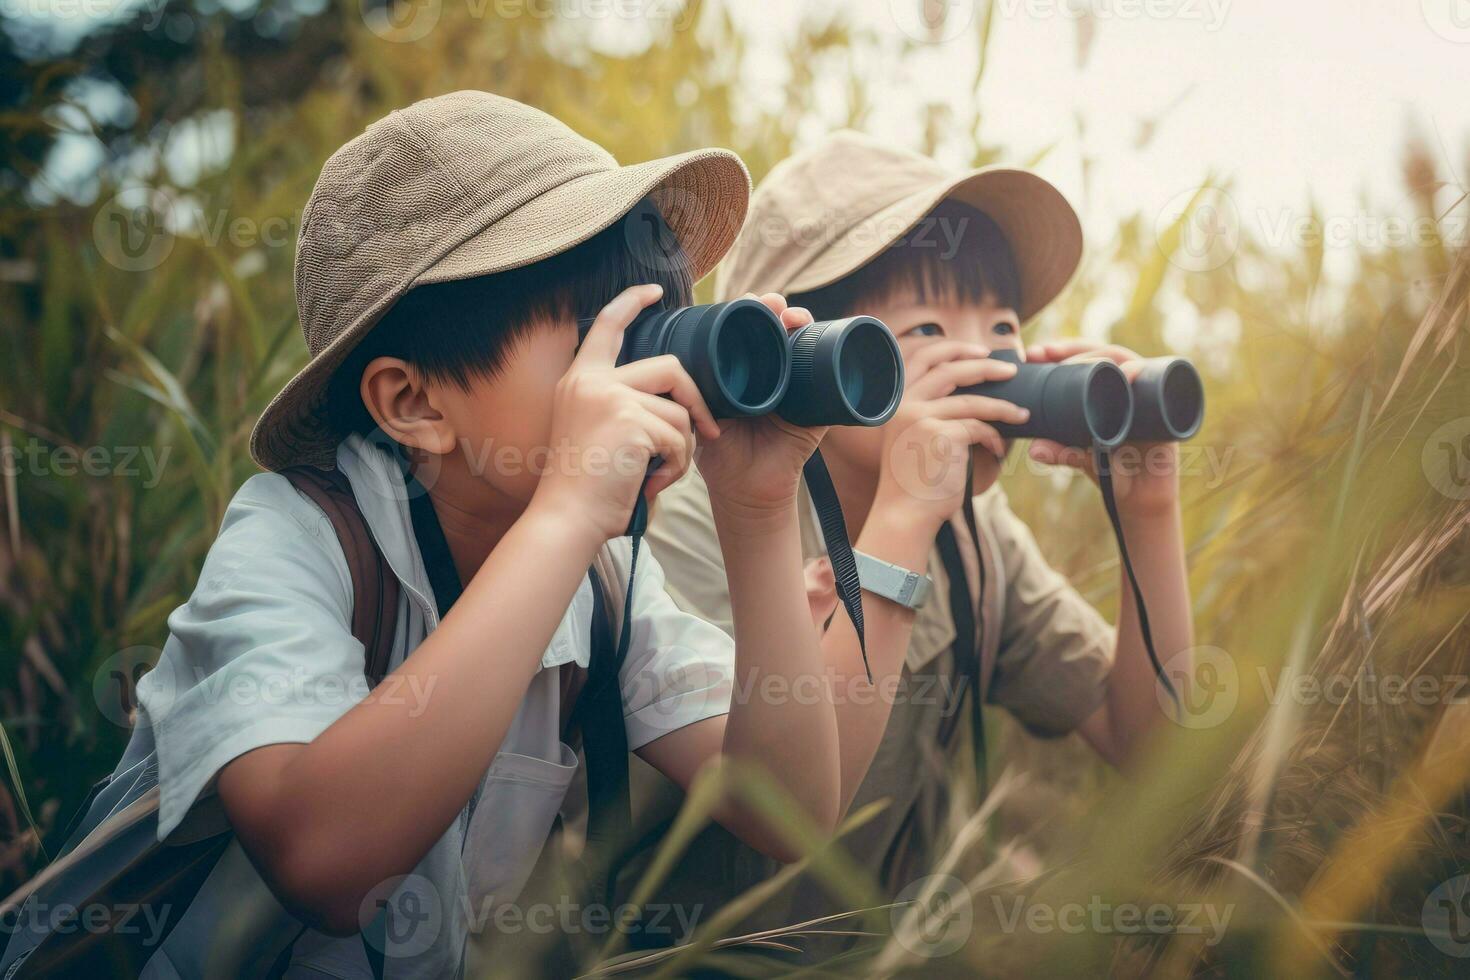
(446, 256)
(955, 262)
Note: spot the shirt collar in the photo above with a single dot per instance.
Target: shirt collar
(382, 495)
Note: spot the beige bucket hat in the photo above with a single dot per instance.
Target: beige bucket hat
(457, 186)
(824, 213)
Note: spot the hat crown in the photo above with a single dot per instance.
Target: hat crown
(816, 197)
(413, 186)
(827, 211)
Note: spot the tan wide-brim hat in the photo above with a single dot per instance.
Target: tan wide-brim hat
(826, 212)
(465, 185)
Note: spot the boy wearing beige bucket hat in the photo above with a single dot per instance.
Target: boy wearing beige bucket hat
(444, 258)
(954, 263)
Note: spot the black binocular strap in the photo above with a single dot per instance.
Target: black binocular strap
(1102, 462)
(969, 644)
(839, 548)
(598, 714)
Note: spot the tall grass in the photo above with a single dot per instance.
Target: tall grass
(1326, 537)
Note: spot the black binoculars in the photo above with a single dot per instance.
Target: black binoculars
(1092, 403)
(745, 363)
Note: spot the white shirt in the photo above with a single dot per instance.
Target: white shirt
(262, 653)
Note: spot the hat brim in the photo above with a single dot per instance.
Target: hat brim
(702, 196)
(1041, 228)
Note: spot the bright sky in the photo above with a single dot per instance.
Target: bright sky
(1291, 100)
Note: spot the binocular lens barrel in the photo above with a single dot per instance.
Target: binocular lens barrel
(839, 372)
(1074, 404)
(1168, 401)
(843, 372)
(735, 352)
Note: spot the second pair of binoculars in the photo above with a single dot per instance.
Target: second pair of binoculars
(850, 372)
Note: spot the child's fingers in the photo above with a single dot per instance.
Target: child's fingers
(978, 433)
(666, 441)
(946, 377)
(980, 407)
(821, 590)
(795, 317)
(1056, 454)
(1059, 350)
(667, 409)
(818, 575)
(671, 412)
(774, 302)
(604, 339)
(1103, 352)
(661, 479)
(664, 375)
(925, 358)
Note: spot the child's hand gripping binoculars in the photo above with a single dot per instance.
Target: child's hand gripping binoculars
(1091, 403)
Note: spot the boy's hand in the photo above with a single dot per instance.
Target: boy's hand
(1145, 475)
(756, 466)
(609, 422)
(927, 444)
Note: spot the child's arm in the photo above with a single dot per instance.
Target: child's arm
(1132, 706)
(396, 772)
(1147, 491)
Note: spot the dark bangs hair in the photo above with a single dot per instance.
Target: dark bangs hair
(955, 253)
(463, 330)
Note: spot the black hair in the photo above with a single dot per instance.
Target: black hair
(463, 330)
(954, 253)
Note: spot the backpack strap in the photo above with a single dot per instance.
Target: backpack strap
(374, 586)
(374, 615)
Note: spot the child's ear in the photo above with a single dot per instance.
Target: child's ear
(400, 402)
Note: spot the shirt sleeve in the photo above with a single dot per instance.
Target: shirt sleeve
(681, 535)
(1055, 650)
(680, 669)
(262, 653)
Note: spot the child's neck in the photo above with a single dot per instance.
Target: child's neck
(473, 516)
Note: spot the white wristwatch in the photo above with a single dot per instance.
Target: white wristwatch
(893, 582)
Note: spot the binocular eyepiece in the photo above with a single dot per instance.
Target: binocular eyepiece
(1092, 403)
(1168, 401)
(745, 363)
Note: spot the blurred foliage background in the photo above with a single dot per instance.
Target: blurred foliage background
(148, 314)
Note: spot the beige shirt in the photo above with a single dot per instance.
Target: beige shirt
(1045, 653)
(1046, 650)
